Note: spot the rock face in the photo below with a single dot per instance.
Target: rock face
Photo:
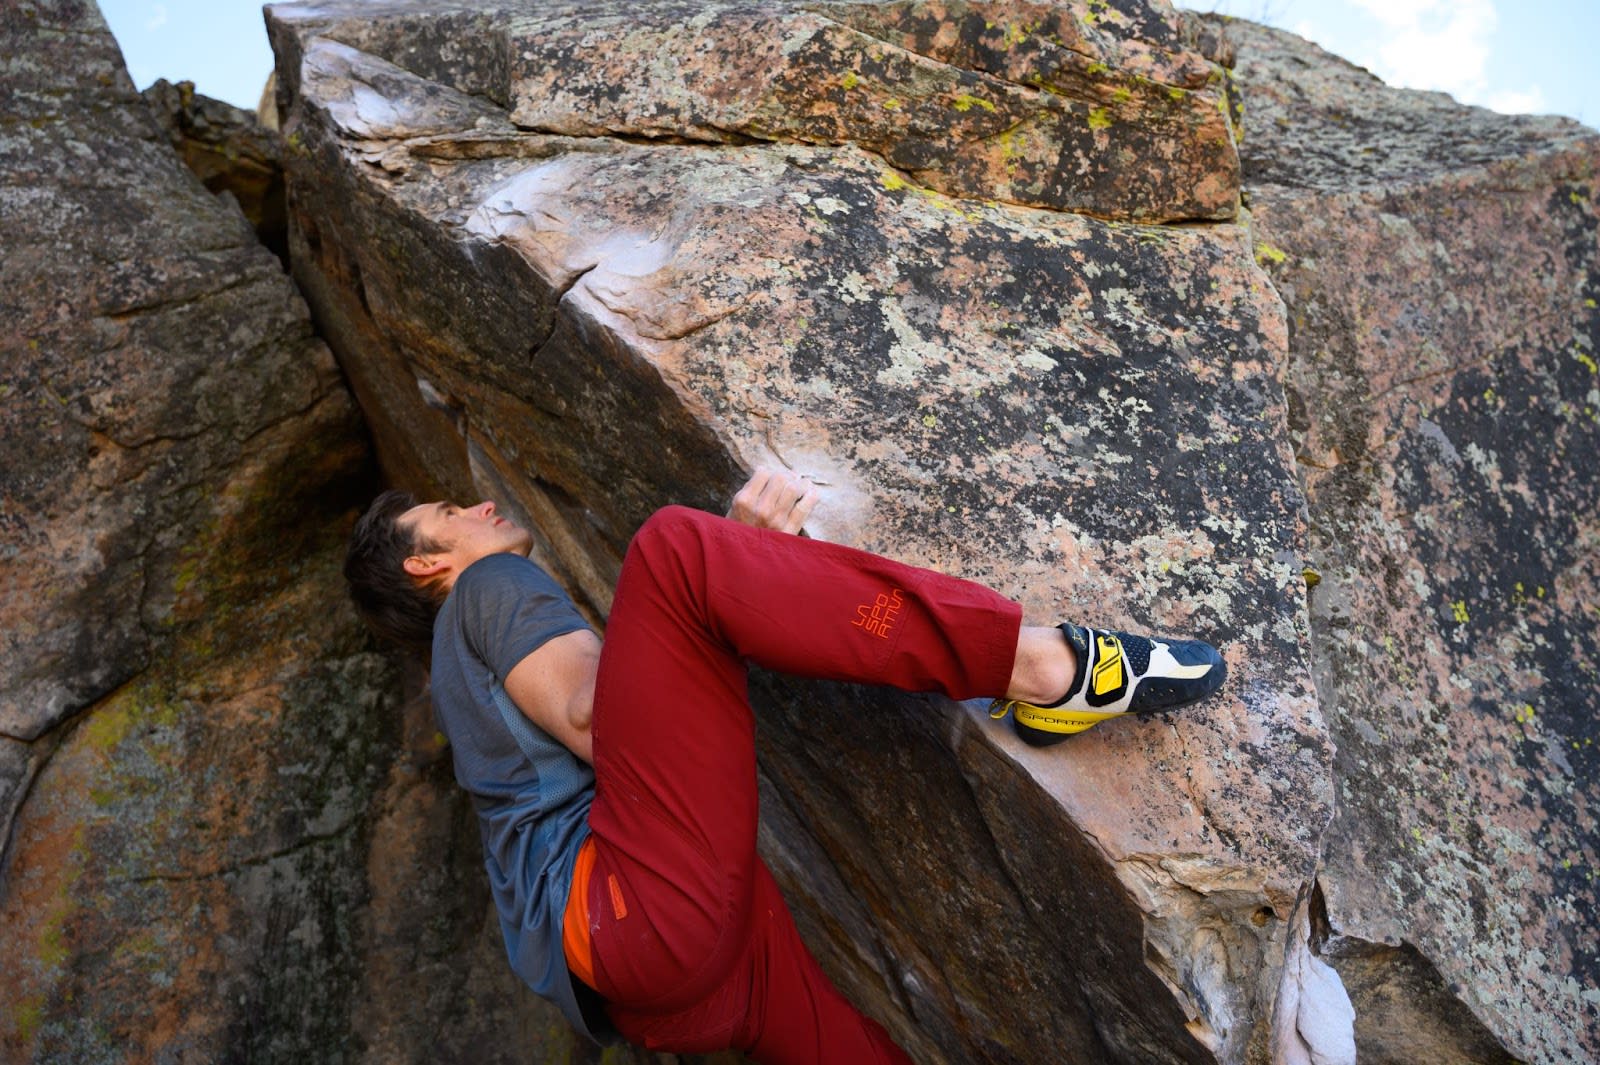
(1441, 269)
(587, 262)
(228, 150)
(217, 841)
(589, 316)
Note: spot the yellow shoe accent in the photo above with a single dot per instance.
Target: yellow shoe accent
(1055, 719)
(1108, 672)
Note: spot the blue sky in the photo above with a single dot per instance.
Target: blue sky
(1512, 55)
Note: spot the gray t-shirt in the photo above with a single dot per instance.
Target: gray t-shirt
(531, 794)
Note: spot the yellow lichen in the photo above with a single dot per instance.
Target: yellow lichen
(1015, 34)
(849, 81)
(187, 572)
(30, 1015)
(1099, 118)
(892, 181)
(1266, 253)
(1459, 610)
(1524, 714)
(1234, 117)
(108, 727)
(1096, 68)
(1013, 145)
(1122, 95)
(1585, 358)
(891, 104)
(966, 102)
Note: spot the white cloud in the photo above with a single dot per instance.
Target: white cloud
(157, 19)
(1434, 44)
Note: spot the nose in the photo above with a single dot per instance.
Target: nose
(485, 509)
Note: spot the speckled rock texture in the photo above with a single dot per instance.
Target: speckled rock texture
(224, 834)
(1441, 267)
(231, 152)
(1086, 414)
(1115, 109)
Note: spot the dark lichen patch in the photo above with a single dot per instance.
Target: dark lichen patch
(1437, 401)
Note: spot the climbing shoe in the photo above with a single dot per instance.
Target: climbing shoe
(1118, 673)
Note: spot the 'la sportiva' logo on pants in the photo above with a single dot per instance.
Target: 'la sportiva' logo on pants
(879, 616)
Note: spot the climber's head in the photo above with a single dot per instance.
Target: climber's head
(451, 538)
(405, 556)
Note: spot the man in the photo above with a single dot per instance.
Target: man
(615, 784)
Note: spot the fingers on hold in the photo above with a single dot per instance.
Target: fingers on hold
(757, 482)
(802, 508)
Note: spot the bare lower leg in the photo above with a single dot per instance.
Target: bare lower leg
(1044, 667)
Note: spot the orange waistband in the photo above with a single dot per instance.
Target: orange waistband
(576, 940)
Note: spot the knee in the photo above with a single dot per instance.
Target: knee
(669, 533)
(670, 525)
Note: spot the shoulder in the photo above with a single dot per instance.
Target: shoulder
(501, 608)
(487, 588)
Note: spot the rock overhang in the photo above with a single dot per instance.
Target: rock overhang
(1085, 414)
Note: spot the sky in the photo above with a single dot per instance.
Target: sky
(1514, 56)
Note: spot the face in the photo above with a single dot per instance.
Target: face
(463, 534)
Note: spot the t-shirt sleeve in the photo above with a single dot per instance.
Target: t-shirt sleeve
(508, 607)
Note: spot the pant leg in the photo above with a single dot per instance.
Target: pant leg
(796, 1015)
(674, 816)
(775, 1005)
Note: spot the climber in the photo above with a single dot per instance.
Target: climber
(615, 784)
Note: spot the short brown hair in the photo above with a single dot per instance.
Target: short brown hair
(394, 604)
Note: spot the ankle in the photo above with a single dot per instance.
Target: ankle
(1044, 666)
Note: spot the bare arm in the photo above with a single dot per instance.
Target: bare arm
(554, 689)
(554, 686)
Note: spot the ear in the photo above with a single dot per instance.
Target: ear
(419, 566)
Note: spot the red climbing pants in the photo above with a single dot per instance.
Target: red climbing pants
(694, 948)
